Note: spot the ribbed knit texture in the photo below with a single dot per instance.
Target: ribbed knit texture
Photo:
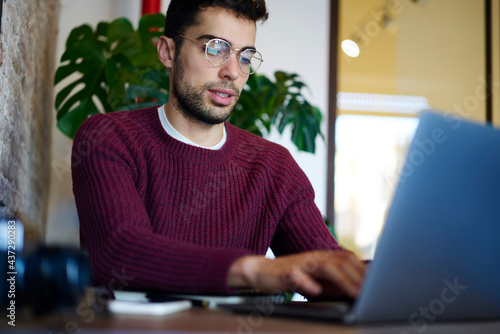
(176, 216)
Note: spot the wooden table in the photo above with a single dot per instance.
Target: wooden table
(200, 320)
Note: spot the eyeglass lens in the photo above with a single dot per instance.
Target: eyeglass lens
(218, 51)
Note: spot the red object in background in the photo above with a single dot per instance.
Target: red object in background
(151, 6)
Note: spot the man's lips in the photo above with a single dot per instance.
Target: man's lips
(221, 96)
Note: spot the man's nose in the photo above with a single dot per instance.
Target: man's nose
(230, 70)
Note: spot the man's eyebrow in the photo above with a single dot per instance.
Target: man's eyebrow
(209, 37)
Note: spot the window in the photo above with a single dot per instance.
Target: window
(409, 51)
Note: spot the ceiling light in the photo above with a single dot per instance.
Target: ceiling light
(350, 48)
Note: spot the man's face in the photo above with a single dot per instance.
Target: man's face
(202, 91)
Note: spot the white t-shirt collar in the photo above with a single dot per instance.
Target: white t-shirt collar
(176, 135)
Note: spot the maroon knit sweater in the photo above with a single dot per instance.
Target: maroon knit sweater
(175, 216)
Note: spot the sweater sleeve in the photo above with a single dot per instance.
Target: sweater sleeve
(115, 228)
(301, 227)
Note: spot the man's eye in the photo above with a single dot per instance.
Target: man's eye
(245, 60)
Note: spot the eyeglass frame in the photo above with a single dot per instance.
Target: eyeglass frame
(230, 52)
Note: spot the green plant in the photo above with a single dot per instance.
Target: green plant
(116, 67)
(265, 103)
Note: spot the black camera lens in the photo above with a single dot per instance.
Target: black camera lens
(43, 279)
(54, 277)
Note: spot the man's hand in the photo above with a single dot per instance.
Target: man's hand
(319, 273)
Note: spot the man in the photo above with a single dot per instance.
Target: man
(181, 200)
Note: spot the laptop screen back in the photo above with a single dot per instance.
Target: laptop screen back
(439, 255)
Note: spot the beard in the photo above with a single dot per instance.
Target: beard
(190, 101)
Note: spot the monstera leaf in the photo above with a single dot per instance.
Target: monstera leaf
(86, 55)
(108, 69)
(116, 67)
(296, 111)
(264, 103)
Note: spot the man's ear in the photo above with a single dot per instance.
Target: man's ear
(166, 51)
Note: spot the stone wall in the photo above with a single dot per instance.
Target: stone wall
(27, 64)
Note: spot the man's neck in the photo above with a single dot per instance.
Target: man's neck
(205, 135)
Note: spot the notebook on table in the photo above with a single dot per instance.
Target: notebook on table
(438, 257)
(209, 301)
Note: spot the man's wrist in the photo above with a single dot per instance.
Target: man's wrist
(243, 271)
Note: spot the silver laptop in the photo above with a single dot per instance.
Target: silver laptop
(438, 257)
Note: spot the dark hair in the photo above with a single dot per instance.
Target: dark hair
(182, 14)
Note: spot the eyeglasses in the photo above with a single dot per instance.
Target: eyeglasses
(218, 51)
